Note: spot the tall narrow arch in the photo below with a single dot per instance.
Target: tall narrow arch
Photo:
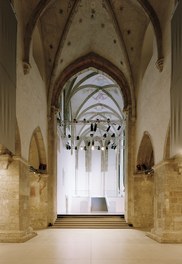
(38, 182)
(145, 155)
(37, 153)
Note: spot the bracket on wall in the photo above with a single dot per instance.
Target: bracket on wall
(160, 64)
(5, 160)
(26, 67)
(178, 163)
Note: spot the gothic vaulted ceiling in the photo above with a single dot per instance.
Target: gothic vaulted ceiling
(63, 31)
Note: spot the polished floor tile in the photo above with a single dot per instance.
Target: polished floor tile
(91, 246)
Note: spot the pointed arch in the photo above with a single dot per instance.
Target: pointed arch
(146, 153)
(87, 61)
(37, 153)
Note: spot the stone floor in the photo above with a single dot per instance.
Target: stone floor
(90, 246)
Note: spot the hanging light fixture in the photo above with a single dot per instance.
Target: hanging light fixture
(92, 145)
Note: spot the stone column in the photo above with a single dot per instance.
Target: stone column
(143, 200)
(38, 200)
(129, 168)
(168, 201)
(52, 166)
(14, 200)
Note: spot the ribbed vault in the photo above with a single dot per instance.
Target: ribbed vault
(91, 110)
(71, 29)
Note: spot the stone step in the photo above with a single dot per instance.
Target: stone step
(90, 222)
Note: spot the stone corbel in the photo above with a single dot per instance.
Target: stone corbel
(5, 160)
(179, 168)
(55, 109)
(26, 67)
(160, 64)
(178, 163)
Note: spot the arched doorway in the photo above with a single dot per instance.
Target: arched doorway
(91, 127)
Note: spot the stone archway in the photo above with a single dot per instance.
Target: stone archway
(90, 60)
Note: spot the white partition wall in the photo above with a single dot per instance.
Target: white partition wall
(76, 184)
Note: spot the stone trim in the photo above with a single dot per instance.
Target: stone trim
(16, 236)
(166, 237)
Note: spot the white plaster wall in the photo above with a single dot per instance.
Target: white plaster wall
(76, 186)
(31, 99)
(65, 177)
(153, 104)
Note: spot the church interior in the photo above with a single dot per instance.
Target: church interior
(91, 119)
